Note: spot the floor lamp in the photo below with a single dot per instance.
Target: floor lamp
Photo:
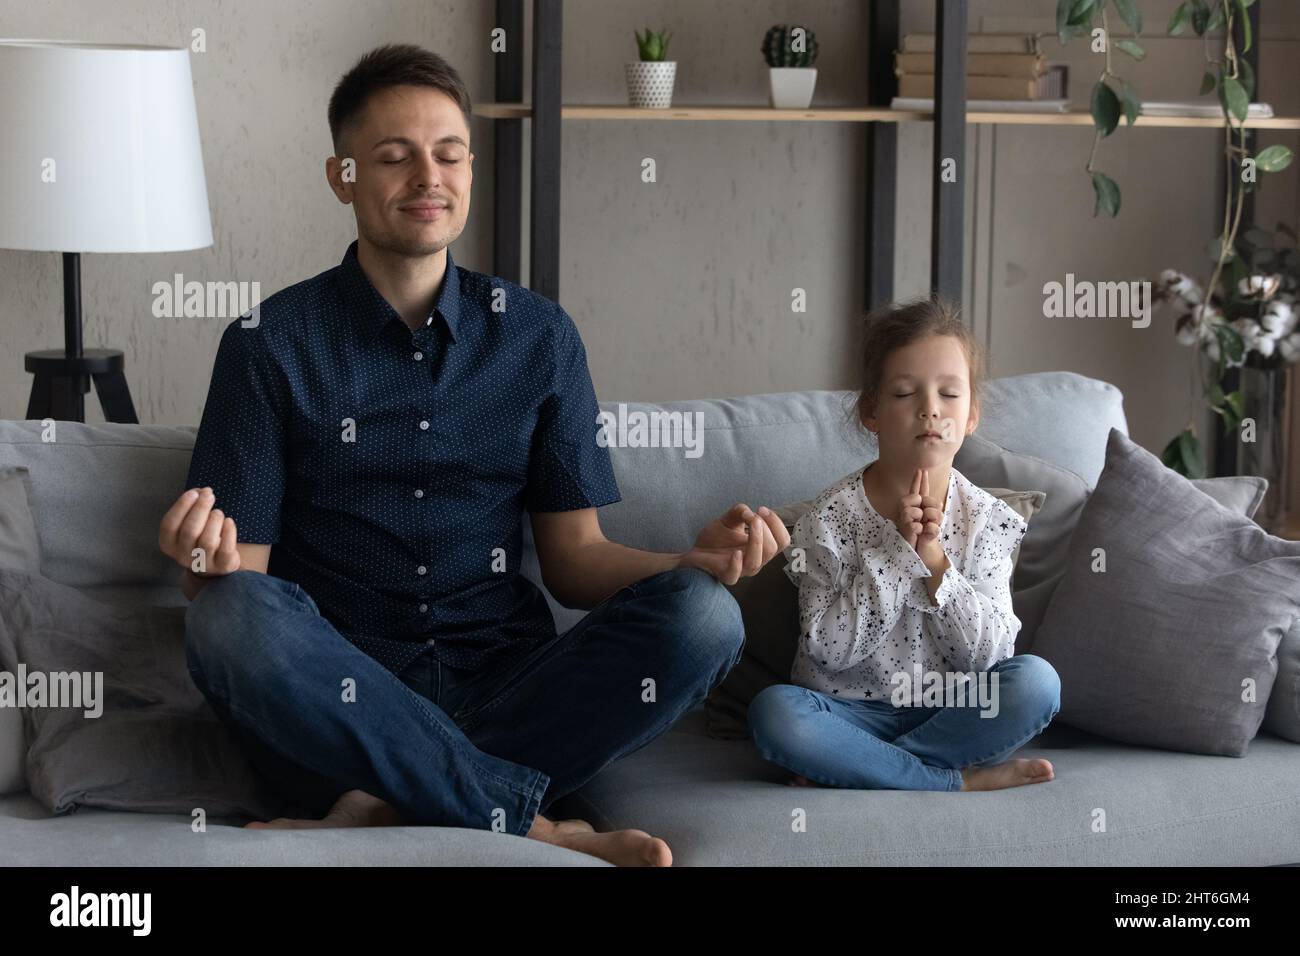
(99, 153)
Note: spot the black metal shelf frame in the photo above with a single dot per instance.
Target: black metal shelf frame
(880, 175)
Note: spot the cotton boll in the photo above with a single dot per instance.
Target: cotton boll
(1187, 333)
(1289, 347)
(1279, 318)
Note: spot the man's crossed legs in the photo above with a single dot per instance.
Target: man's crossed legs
(490, 750)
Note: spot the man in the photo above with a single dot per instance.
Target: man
(372, 437)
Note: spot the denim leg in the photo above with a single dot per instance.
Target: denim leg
(260, 651)
(615, 681)
(1028, 696)
(841, 743)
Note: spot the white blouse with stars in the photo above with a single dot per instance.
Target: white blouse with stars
(864, 611)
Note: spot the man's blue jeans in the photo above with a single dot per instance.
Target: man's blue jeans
(873, 745)
(446, 747)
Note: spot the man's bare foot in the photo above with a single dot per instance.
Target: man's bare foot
(1013, 773)
(355, 808)
(620, 847)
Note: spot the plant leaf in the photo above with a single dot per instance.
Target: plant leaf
(1178, 22)
(1234, 99)
(1081, 12)
(1273, 159)
(1132, 48)
(1207, 82)
(1131, 14)
(1230, 343)
(1132, 105)
(1245, 26)
(1063, 29)
(1105, 108)
(1107, 193)
(1200, 17)
(1246, 76)
(1190, 452)
(1237, 403)
(1170, 456)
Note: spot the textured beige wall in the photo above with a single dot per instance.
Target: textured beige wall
(682, 287)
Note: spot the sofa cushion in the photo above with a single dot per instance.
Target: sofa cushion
(1282, 716)
(19, 548)
(91, 837)
(718, 803)
(1166, 626)
(142, 737)
(1043, 548)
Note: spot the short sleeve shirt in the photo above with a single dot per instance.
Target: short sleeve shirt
(390, 469)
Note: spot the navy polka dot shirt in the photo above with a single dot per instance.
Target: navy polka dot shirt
(390, 468)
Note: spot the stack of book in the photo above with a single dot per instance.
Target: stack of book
(1000, 67)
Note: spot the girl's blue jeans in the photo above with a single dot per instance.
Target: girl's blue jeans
(873, 745)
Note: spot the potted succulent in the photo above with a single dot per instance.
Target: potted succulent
(790, 53)
(650, 79)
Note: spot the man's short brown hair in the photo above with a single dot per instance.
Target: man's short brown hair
(396, 64)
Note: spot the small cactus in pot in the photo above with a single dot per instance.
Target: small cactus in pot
(790, 52)
(650, 79)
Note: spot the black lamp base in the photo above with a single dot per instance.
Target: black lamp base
(61, 381)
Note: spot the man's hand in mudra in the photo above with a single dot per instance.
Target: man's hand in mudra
(738, 544)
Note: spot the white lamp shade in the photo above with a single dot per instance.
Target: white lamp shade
(115, 129)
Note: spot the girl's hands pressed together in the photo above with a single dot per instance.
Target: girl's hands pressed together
(920, 517)
(910, 514)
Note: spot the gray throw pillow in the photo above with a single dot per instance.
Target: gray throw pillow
(20, 548)
(155, 746)
(1163, 647)
(1282, 717)
(1042, 550)
(769, 608)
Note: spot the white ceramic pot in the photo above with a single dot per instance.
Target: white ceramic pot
(792, 86)
(651, 84)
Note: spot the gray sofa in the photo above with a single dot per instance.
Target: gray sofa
(100, 490)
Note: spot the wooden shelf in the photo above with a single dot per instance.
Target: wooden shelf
(853, 115)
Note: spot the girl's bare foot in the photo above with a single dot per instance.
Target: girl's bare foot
(355, 808)
(620, 847)
(1013, 773)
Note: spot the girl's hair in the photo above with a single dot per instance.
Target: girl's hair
(902, 324)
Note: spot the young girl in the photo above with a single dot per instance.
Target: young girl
(904, 574)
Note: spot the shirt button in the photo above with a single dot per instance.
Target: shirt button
(429, 642)
(418, 356)
(421, 569)
(419, 492)
(423, 608)
(424, 426)
(429, 320)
